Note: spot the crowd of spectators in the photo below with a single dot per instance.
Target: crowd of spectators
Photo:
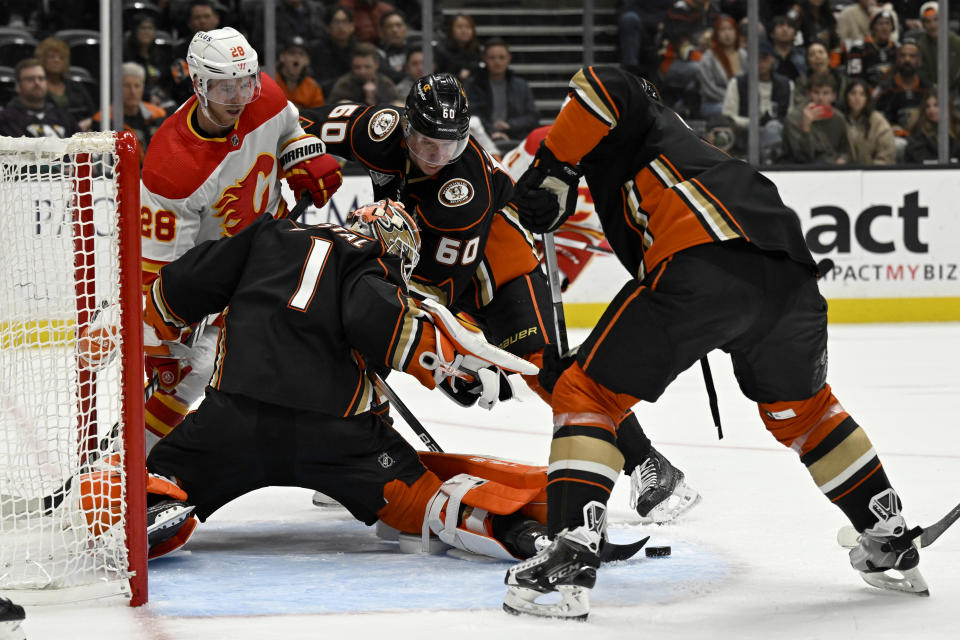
(840, 81)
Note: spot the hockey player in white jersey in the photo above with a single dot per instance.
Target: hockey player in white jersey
(213, 167)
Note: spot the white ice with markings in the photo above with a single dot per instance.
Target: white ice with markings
(757, 558)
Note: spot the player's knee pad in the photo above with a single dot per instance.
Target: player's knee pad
(801, 424)
(578, 398)
(461, 511)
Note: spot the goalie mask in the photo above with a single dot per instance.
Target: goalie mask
(394, 227)
(436, 125)
(224, 68)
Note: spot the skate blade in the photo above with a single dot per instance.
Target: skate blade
(682, 500)
(910, 581)
(574, 603)
(324, 501)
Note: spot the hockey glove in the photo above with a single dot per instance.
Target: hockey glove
(546, 193)
(167, 359)
(466, 363)
(307, 168)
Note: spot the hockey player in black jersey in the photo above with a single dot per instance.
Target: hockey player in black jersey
(310, 311)
(720, 263)
(476, 257)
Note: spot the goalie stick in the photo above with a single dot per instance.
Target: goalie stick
(848, 537)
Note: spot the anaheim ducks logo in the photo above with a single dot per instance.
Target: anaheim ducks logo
(382, 124)
(455, 192)
(247, 198)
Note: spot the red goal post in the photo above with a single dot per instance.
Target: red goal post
(71, 417)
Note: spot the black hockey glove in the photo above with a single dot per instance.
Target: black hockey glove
(546, 193)
(554, 365)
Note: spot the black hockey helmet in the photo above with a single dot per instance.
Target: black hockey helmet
(437, 110)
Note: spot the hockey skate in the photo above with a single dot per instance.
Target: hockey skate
(658, 492)
(887, 549)
(170, 523)
(568, 567)
(11, 621)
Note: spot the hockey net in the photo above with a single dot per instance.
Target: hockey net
(72, 504)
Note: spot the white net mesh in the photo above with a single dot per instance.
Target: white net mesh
(61, 426)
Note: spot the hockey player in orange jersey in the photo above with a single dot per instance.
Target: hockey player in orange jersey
(211, 169)
(477, 259)
(719, 262)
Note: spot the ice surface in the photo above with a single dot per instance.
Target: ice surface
(756, 559)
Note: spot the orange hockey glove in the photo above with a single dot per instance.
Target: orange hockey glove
(308, 168)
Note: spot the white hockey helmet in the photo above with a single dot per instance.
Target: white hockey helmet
(224, 67)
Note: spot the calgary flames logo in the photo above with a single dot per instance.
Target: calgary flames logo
(247, 198)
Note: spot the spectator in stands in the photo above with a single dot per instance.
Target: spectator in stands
(817, 134)
(639, 23)
(870, 135)
(141, 118)
(853, 23)
(776, 94)
(818, 61)
(922, 144)
(366, 18)
(293, 68)
(500, 98)
(293, 18)
(140, 48)
(30, 113)
(873, 58)
(927, 44)
(725, 59)
(790, 59)
(817, 23)
(364, 84)
(333, 51)
(686, 31)
(459, 52)
(64, 92)
(394, 44)
(202, 15)
(412, 71)
(901, 95)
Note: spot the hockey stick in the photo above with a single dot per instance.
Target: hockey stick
(848, 537)
(405, 413)
(300, 207)
(582, 246)
(556, 297)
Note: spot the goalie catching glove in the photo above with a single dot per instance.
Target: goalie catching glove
(546, 193)
(465, 366)
(307, 168)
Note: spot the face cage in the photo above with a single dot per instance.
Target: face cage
(229, 92)
(409, 256)
(433, 151)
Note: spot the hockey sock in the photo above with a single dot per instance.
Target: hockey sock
(834, 448)
(632, 442)
(163, 412)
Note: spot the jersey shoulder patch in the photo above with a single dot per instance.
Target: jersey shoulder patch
(382, 123)
(455, 192)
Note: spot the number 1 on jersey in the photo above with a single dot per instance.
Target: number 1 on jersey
(310, 275)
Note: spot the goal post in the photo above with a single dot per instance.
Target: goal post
(72, 479)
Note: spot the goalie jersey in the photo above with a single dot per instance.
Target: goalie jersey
(195, 188)
(307, 309)
(657, 186)
(455, 209)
